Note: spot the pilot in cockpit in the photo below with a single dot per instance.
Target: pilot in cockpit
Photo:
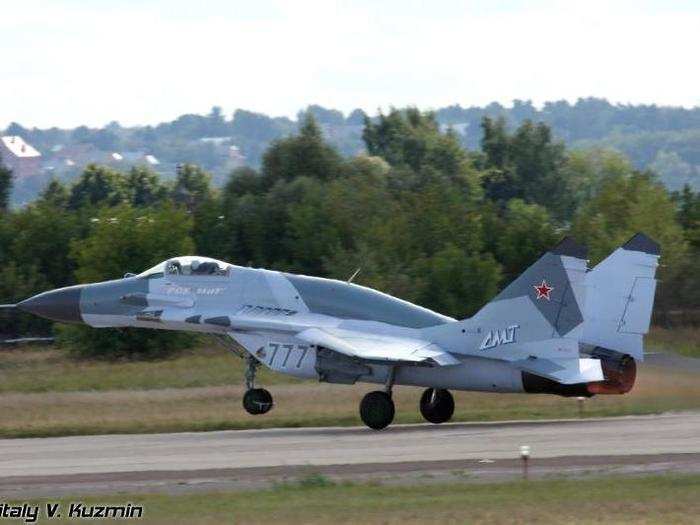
(204, 268)
(187, 266)
(174, 267)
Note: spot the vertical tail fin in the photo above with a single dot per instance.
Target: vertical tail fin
(621, 297)
(541, 312)
(549, 294)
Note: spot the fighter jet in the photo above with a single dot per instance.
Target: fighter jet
(559, 328)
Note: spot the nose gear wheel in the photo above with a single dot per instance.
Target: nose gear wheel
(257, 401)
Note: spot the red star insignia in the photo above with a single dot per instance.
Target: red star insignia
(543, 290)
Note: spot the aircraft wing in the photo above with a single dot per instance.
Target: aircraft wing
(372, 347)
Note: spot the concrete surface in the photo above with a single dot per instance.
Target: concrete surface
(252, 458)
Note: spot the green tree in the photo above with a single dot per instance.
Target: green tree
(5, 186)
(519, 236)
(459, 284)
(625, 205)
(55, 194)
(688, 280)
(144, 187)
(246, 225)
(124, 239)
(243, 180)
(18, 281)
(688, 203)
(323, 115)
(527, 164)
(305, 154)
(309, 234)
(192, 186)
(193, 190)
(39, 237)
(412, 143)
(402, 137)
(98, 186)
(586, 169)
(127, 239)
(304, 221)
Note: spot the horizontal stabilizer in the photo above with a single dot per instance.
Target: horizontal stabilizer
(373, 347)
(564, 371)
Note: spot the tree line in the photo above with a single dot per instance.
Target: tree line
(419, 215)
(665, 138)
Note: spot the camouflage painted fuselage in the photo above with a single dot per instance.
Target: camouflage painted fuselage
(536, 335)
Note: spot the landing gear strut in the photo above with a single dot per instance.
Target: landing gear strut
(255, 400)
(377, 408)
(437, 405)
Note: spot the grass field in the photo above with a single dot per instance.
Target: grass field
(684, 341)
(43, 392)
(668, 499)
(49, 369)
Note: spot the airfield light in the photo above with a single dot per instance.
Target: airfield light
(525, 456)
(579, 402)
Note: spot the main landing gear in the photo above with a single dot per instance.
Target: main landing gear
(377, 408)
(255, 400)
(437, 405)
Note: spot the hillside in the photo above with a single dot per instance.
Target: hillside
(663, 139)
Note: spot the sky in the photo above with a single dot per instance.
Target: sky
(71, 62)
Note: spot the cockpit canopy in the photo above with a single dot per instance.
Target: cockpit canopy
(188, 265)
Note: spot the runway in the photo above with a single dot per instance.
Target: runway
(51, 466)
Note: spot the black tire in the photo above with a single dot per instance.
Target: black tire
(437, 405)
(257, 401)
(377, 410)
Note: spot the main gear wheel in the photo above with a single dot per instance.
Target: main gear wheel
(377, 410)
(437, 405)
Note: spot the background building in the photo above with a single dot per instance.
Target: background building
(22, 158)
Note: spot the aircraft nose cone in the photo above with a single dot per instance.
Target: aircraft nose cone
(61, 305)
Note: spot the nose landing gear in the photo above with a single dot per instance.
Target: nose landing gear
(437, 405)
(256, 400)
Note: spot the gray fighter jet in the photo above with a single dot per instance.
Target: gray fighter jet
(559, 328)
